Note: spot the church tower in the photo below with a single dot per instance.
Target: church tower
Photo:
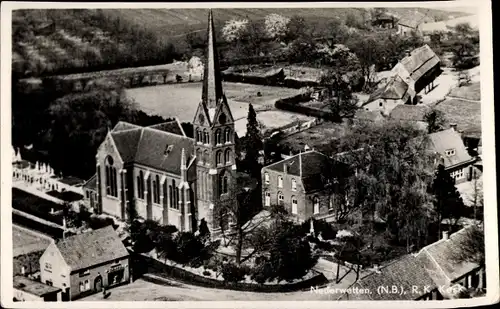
(215, 138)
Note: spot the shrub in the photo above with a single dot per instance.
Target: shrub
(207, 273)
(234, 273)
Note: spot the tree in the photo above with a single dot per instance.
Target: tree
(464, 42)
(296, 29)
(340, 98)
(276, 26)
(233, 29)
(253, 144)
(448, 204)
(470, 247)
(435, 120)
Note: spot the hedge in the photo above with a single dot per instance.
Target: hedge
(150, 265)
(37, 226)
(36, 206)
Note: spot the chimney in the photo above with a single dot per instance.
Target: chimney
(445, 235)
(407, 53)
(453, 126)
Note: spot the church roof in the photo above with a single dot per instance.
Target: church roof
(158, 146)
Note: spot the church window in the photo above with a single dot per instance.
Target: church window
(222, 119)
(223, 183)
(171, 195)
(111, 180)
(199, 155)
(227, 137)
(316, 205)
(205, 137)
(206, 158)
(218, 136)
(156, 190)
(227, 156)
(140, 185)
(280, 182)
(219, 157)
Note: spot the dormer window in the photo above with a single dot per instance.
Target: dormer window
(168, 149)
(450, 152)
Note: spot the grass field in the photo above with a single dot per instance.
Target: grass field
(466, 114)
(25, 242)
(181, 101)
(469, 92)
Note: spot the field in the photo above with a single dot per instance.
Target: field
(36, 206)
(181, 101)
(469, 92)
(25, 241)
(466, 114)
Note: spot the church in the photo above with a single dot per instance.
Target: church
(159, 173)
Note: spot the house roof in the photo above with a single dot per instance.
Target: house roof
(147, 145)
(33, 287)
(420, 61)
(91, 184)
(72, 181)
(449, 139)
(91, 248)
(404, 273)
(409, 112)
(314, 166)
(441, 255)
(412, 19)
(395, 89)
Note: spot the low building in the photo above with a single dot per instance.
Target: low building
(414, 114)
(386, 98)
(90, 193)
(450, 148)
(303, 184)
(86, 263)
(26, 289)
(411, 22)
(419, 69)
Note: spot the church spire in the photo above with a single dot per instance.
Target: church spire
(212, 82)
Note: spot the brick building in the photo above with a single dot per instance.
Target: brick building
(160, 173)
(304, 184)
(86, 263)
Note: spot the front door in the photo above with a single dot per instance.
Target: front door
(65, 295)
(98, 284)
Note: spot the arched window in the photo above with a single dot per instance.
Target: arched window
(294, 205)
(267, 198)
(294, 185)
(206, 139)
(171, 196)
(111, 180)
(206, 157)
(218, 136)
(227, 156)
(223, 183)
(281, 198)
(177, 195)
(316, 205)
(140, 185)
(199, 155)
(280, 181)
(266, 178)
(227, 135)
(156, 190)
(219, 157)
(198, 135)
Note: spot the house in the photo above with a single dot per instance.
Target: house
(452, 276)
(386, 283)
(411, 114)
(85, 263)
(394, 93)
(384, 21)
(90, 192)
(430, 274)
(411, 22)
(26, 289)
(159, 173)
(419, 69)
(304, 184)
(448, 145)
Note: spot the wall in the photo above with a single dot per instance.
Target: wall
(93, 274)
(110, 204)
(25, 296)
(53, 268)
(384, 105)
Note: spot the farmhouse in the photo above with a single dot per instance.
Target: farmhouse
(411, 23)
(303, 184)
(449, 146)
(419, 69)
(159, 173)
(384, 99)
(86, 263)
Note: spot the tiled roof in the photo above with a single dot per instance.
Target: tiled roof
(409, 112)
(395, 89)
(315, 166)
(91, 183)
(442, 252)
(122, 125)
(404, 273)
(449, 139)
(412, 19)
(33, 287)
(147, 146)
(92, 248)
(420, 61)
(171, 126)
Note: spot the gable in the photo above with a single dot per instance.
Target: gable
(204, 119)
(109, 148)
(223, 108)
(53, 256)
